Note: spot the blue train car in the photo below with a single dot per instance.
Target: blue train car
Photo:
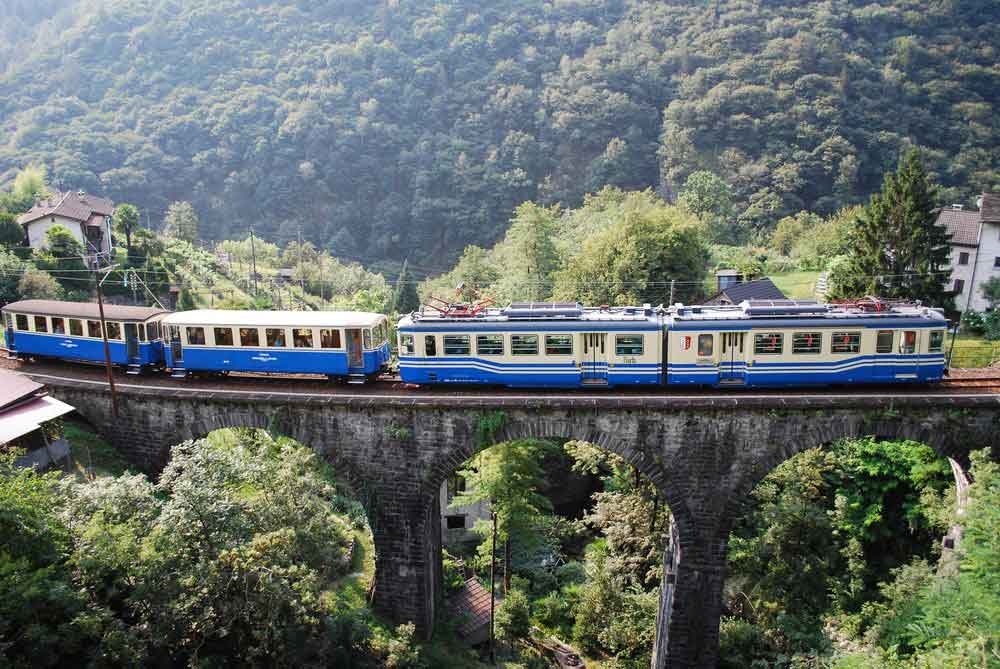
(786, 343)
(348, 345)
(72, 331)
(533, 345)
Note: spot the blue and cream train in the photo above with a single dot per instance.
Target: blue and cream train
(782, 343)
(549, 345)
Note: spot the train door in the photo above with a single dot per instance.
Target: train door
(8, 321)
(355, 356)
(884, 367)
(732, 358)
(595, 358)
(132, 342)
(909, 344)
(176, 350)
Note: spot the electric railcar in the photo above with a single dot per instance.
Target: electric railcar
(754, 344)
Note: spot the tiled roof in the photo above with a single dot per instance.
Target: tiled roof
(75, 206)
(471, 606)
(963, 226)
(759, 289)
(989, 210)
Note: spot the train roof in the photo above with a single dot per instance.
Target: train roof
(236, 318)
(114, 312)
(539, 312)
(787, 312)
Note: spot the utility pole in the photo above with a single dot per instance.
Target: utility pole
(672, 282)
(104, 335)
(253, 259)
(302, 280)
(493, 590)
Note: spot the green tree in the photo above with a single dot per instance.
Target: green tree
(36, 284)
(513, 617)
(528, 254)
(126, 222)
(181, 222)
(29, 185)
(11, 234)
(63, 258)
(898, 250)
(405, 299)
(710, 198)
(990, 290)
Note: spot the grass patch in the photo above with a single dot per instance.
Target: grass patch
(90, 455)
(972, 351)
(351, 591)
(797, 285)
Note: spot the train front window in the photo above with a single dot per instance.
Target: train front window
(706, 343)
(767, 343)
(524, 344)
(807, 342)
(406, 346)
(329, 338)
(41, 324)
(94, 329)
(367, 338)
(58, 325)
(883, 341)
(223, 336)
(456, 344)
(845, 342)
(936, 343)
(275, 337)
(153, 330)
(195, 335)
(489, 344)
(22, 322)
(302, 337)
(628, 345)
(558, 344)
(249, 337)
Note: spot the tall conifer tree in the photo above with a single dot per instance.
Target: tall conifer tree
(899, 251)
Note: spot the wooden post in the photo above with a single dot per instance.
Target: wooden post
(493, 591)
(107, 347)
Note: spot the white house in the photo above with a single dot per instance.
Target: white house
(975, 249)
(88, 217)
(457, 522)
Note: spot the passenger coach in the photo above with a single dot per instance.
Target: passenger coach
(340, 344)
(533, 345)
(72, 331)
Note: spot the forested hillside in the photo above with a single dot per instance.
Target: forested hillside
(400, 128)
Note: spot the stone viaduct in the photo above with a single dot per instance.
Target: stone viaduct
(704, 453)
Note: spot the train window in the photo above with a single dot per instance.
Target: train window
(153, 330)
(883, 341)
(807, 342)
(275, 337)
(489, 344)
(381, 334)
(524, 344)
(302, 337)
(406, 346)
(22, 322)
(706, 343)
(142, 332)
(195, 335)
(249, 337)
(58, 325)
(768, 343)
(845, 342)
(628, 345)
(75, 327)
(223, 336)
(368, 338)
(558, 344)
(115, 331)
(909, 342)
(329, 338)
(430, 346)
(456, 345)
(936, 343)
(41, 324)
(94, 329)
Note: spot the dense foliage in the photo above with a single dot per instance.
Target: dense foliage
(414, 128)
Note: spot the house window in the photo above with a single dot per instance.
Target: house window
(302, 337)
(94, 329)
(41, 324)
(996, 262)
(455, 522)
(883, 342)
(249, 337)
(22, 322)
(275, 337)
(807, 342)
(430, 346)
(936, 343)
(845, 342)
(223, 336)
(489, 344)
(963, 258)
(329, 338)
(58, 325)
(524, 344)
(767, 343)
(628, 345)
(195, 335)
(959, 286)
(75, 327)
(456, 345)
(706, 343)
(558, 344)
(406, 344)
(456, 485)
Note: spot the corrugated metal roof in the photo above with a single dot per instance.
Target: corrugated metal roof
(28, 417)
(963, 226)
(113, 312)
(15, 388)
(471, 606)
(70, 205)
(335, 319)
